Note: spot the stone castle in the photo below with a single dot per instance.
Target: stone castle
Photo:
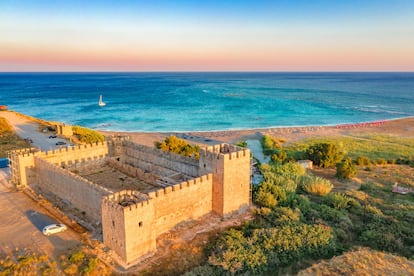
(133, 192)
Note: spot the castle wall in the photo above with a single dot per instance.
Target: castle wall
(128, 230)
(80, 192)
(80, 154)
(187, 200)
(165, 162)
(22, 166)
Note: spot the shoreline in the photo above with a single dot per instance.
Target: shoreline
(403, 127)
(253, 128)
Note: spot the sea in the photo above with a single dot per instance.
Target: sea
(209, 101)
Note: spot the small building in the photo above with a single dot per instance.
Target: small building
(4, 108)
(307, 164)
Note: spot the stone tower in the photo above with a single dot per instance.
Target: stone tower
(230, 166)
(128, 221)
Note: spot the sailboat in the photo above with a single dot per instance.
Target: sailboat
(101, 103)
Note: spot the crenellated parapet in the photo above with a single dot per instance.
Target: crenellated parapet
(184, 186)
(126, 200)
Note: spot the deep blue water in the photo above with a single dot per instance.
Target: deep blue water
(208, 101)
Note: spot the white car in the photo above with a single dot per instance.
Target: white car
(53, 229)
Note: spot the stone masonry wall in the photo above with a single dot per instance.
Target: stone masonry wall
(128, 230)
(174, 162)
(78, 191)
(187, 200)
(77, 154)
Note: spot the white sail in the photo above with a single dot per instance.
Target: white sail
(101, 103)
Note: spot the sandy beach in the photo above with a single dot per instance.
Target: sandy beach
(399, 127)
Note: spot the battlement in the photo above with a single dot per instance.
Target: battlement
(224, 152)
(117, 138)
(204, 179)
(75, 148)
(126, 199)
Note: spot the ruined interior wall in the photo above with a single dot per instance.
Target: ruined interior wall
(187, 200)
(133, 171)
(79, 192)
(148, 158)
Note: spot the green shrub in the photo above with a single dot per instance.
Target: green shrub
(285, 183)
(268, 195)
(363, 161)
(271, 248)
(278, 157)
(285, 214)
(179, 146)
(315, 185)
(77, 256)
(381, 161)
(242, 144)
(270, 144)
(337, 200)
(346, 169)
(86, 135)
(324, 155)
(290, 170)
(293, 200)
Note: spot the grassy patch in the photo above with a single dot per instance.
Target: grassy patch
(372, 146)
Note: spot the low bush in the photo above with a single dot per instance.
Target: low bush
(324, 155)
(337, 200)
(315, 185)
(270, 144)
(363, 161)
(268, 195)
(278, 157)
(179, 146)
(86, 135)
(381, 161)
(346, 169)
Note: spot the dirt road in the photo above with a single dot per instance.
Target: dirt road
(28, 129)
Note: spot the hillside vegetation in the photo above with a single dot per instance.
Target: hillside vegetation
(362, 261)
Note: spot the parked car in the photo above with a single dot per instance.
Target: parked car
(53, 229)
(60, 143)
(52, 136)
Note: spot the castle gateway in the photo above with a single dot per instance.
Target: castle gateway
(135, 192)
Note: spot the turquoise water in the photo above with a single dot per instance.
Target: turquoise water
(208, 101)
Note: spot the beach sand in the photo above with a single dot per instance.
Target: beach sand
(398, 127)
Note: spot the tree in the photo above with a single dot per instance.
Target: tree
(346, 169)
(179, 146)
(324, 155)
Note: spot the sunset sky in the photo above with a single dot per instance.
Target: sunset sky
(304, 35)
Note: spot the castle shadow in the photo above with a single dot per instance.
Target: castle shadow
(39, 220)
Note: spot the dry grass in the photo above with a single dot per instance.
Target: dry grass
(362, 261)
(8, 139)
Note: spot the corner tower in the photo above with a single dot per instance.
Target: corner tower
(127, 225)
(230, 166)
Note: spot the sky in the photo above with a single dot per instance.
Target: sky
(302, 35)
